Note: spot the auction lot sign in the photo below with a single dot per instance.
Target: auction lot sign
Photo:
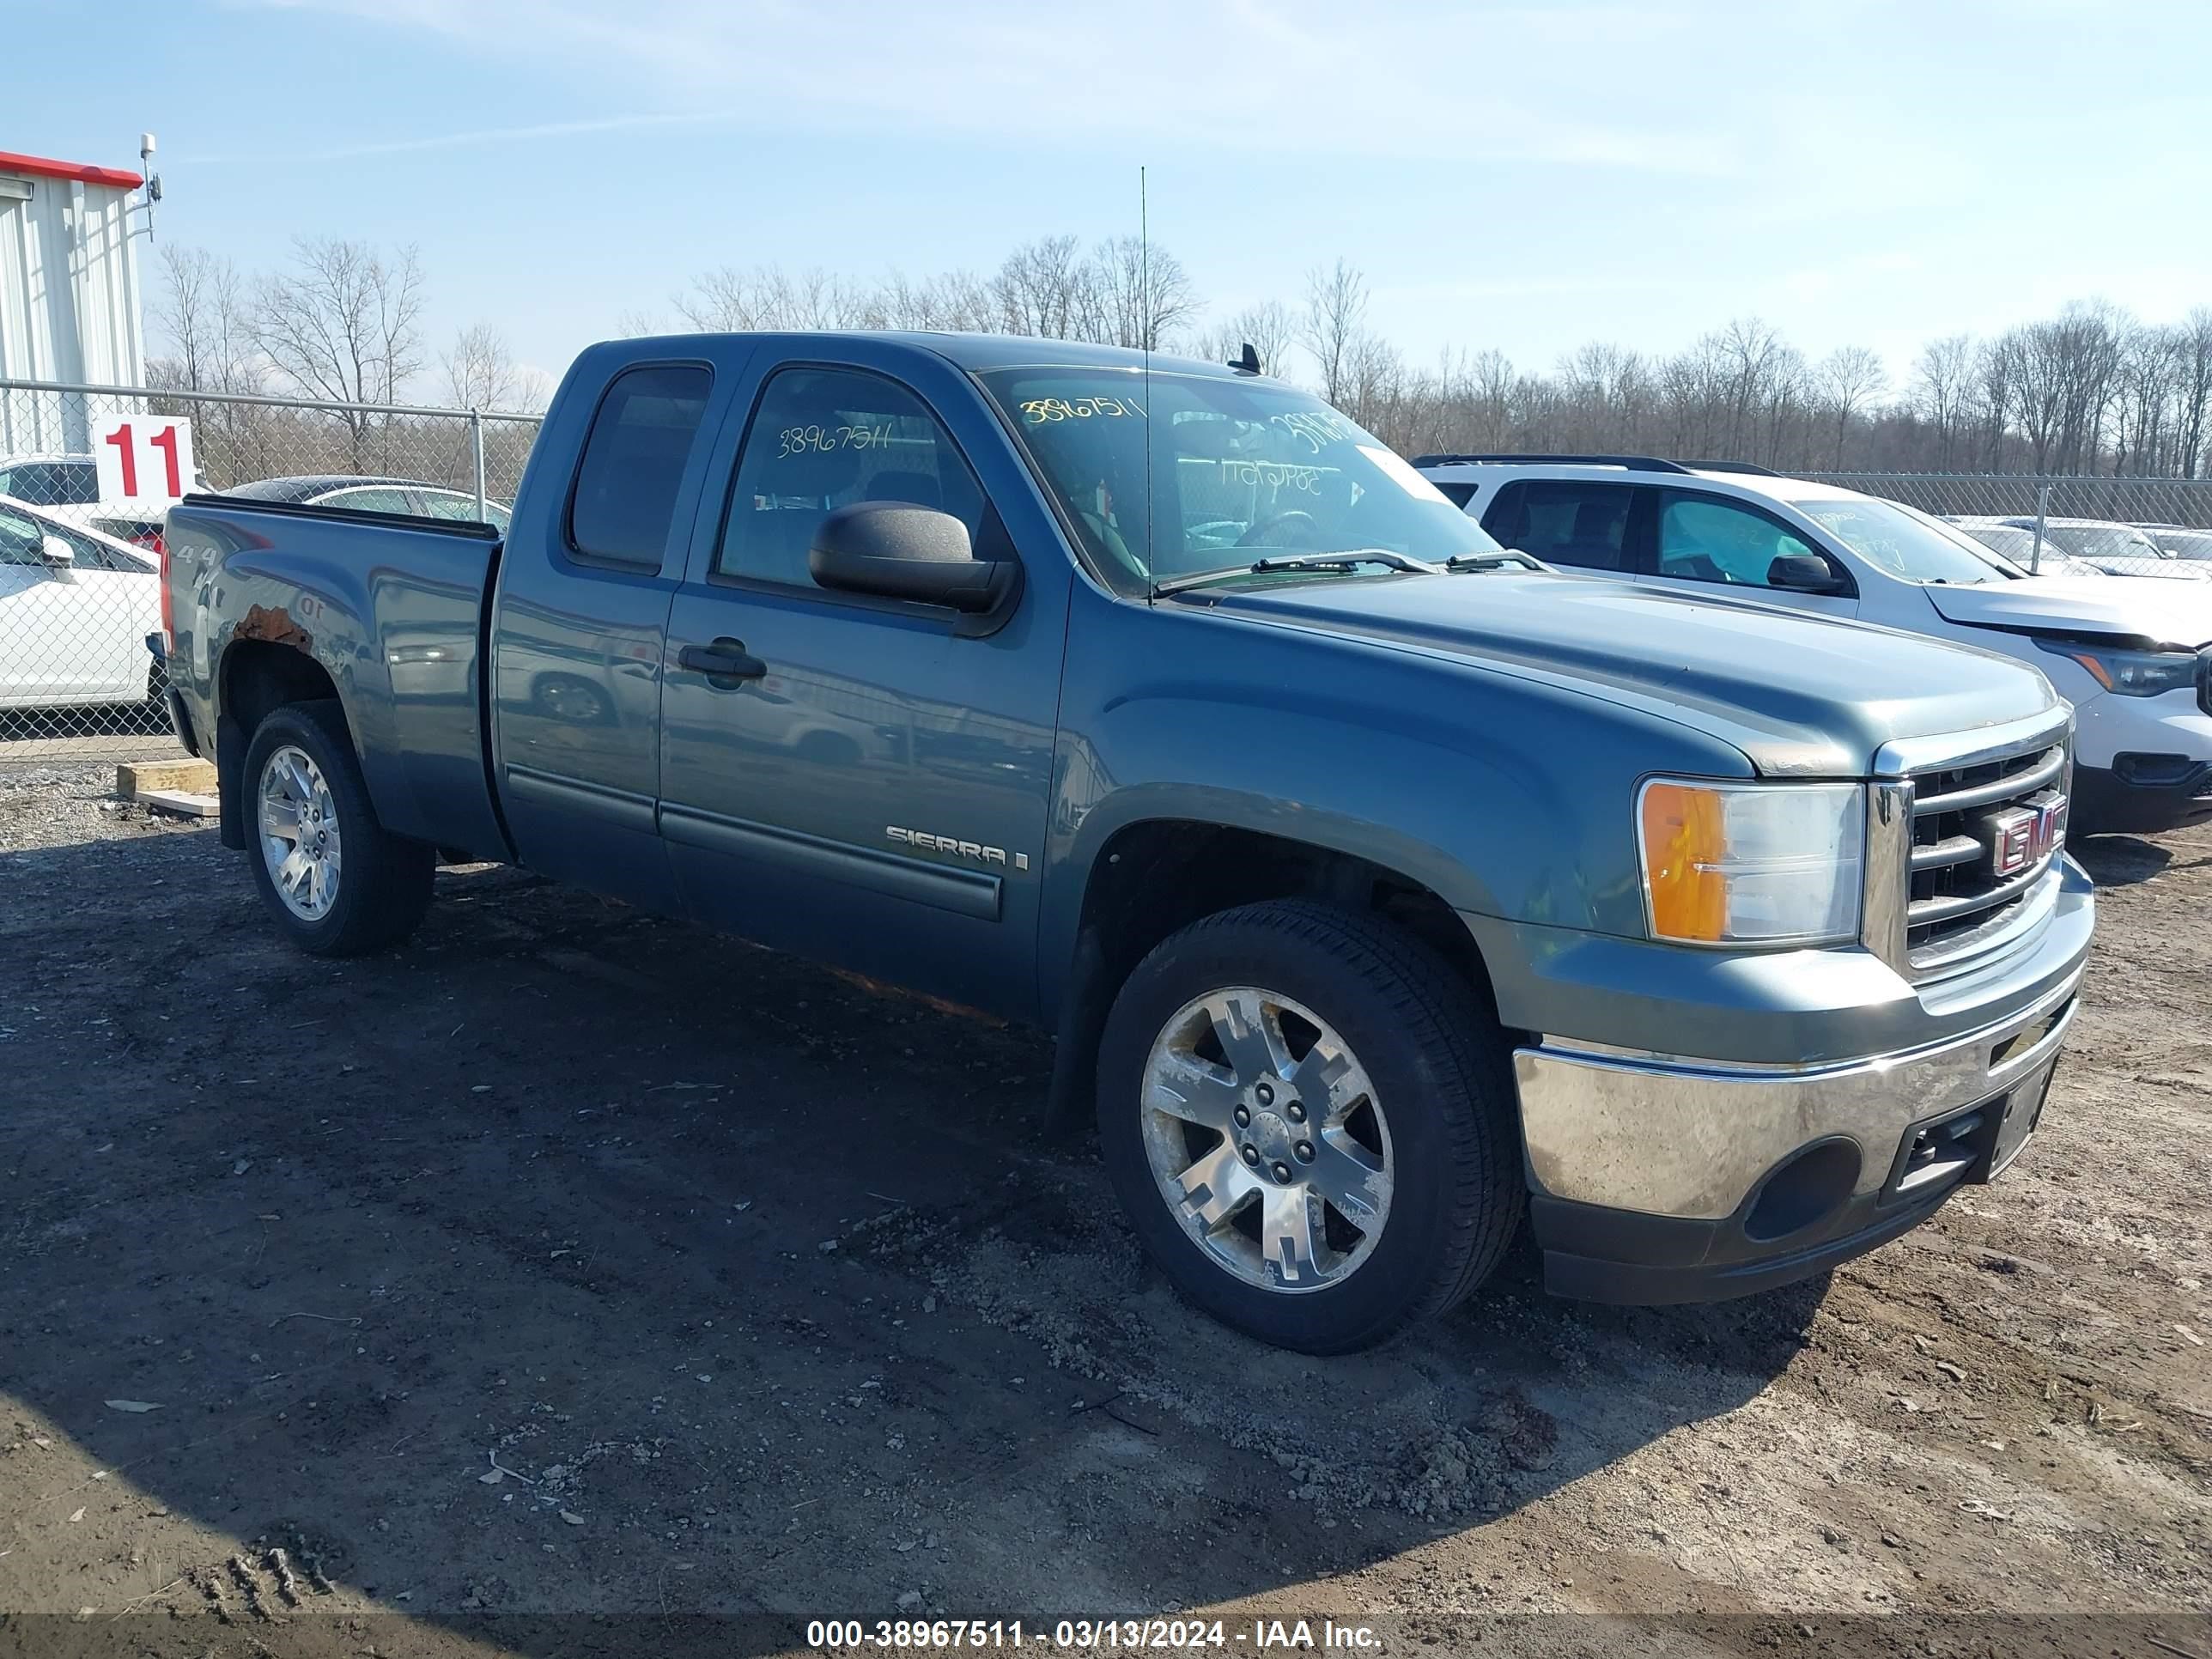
(143, 459)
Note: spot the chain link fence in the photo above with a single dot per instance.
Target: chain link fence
(86, 476)
(2065, 525)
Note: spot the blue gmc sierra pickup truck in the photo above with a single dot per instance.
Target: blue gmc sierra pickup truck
(1383, 889)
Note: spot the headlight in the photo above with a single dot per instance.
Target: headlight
(1752, 863)
(2130, 673)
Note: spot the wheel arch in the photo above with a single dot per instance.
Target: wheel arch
(1151, 876)
(254, 676)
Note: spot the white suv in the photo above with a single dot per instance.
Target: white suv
(2135, 658)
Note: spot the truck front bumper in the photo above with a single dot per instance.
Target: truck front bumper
(1779, 1114)
(1630, 1157)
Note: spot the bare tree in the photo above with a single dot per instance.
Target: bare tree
(1043, 288)
(2195, 414)
(1268, 327)
(1848, 379)
(1336, 316)
(480, 370)
(1942, 388)
(201, 315)
(2145, 401)
(343, 325)
(1134, 295)
(2089, 390)
(954, 299)
(766, 297)
(200, 309)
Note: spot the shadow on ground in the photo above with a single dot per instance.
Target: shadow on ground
(570, 1262)
(2127, 860)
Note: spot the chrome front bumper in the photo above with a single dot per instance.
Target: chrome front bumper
(1669, 1136)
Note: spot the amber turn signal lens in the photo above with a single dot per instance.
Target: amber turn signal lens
(1684, 847)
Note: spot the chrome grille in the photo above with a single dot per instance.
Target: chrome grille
(1962, 893)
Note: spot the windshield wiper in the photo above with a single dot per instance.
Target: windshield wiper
(1381, 556)
(1505, 555)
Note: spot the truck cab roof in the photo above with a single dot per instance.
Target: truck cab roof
(967, 352)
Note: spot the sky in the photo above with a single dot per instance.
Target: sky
(1523, 177)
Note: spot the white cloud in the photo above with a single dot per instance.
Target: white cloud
(471, 138)
(1436, 84)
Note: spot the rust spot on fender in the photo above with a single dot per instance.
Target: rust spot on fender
(276, 625)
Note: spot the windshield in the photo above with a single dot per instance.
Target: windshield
(2011, 541)
(1890, 538)
(1239, 471)
(2104, 541)
(52, 483)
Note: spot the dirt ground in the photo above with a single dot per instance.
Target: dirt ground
(575, 1282)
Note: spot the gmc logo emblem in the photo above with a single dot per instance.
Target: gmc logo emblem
(2021, 837)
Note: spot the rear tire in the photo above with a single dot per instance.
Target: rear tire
(338, 883)
(1366, 1175)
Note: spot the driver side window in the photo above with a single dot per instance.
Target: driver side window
(1703, 538)
(824, 438)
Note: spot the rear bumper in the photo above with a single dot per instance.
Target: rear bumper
(1659, 1179)
(181, 719)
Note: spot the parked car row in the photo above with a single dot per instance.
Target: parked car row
(77, 609)
(2179, 542)
(1383, 885)
(2133, 658)
(80, 592)
(2104, 546)
(70, 486)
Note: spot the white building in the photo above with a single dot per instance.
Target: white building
(69, 293)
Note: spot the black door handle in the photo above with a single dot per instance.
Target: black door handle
(724, 663)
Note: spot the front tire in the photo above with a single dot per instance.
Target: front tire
(1307, 1115)
(336, 882)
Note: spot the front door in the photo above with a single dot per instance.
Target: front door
(1704, 543)
(861, 780)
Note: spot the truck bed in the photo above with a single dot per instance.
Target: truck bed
(392, 607)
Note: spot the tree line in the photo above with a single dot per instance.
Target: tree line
(2093, 391)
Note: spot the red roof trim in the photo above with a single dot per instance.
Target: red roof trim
(83, 172)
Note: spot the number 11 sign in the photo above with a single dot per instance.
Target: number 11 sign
(146, 459)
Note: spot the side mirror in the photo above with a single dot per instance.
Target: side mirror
(57, 552)
(1803, 573)
(896, 551)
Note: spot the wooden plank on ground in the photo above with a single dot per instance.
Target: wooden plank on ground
(184, 803)
(195, 776)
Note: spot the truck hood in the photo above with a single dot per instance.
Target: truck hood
(2149, 608)
(1800, 696)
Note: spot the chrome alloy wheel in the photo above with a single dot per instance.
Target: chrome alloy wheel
(1267, 1140)
(299, 833)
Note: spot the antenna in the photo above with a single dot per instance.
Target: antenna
(153, 178)
(1145, 340)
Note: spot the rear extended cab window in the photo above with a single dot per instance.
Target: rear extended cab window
(1566, 522)
(623, 502)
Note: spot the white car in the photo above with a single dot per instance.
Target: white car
(2018, 547)
(2180, 542)
(365, 495)
(69, 486)
(2134, 658)
(2119, 550)
(77, 610)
